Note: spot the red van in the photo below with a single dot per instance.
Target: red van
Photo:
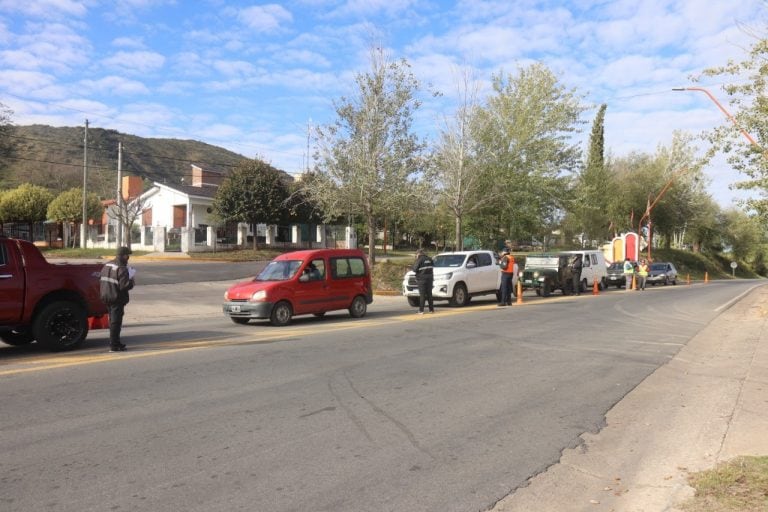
(301, 283)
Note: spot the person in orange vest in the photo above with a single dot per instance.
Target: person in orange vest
(507, 264)
(642, 274)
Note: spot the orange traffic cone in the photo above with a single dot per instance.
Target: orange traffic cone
(634, 286)
(595, 288)
(706, 277)
(519, 293)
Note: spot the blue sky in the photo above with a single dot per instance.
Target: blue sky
(249, 76)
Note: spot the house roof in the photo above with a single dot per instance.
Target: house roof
(206, 191)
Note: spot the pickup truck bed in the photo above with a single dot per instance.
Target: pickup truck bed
(46, 302)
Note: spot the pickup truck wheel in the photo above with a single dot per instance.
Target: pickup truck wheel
(358, 307)
(16, 338)
(238, 320)
(413, 302)
(61, 325)
(460, 296)
(281, 314)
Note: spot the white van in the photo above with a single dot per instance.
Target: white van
(593, 268)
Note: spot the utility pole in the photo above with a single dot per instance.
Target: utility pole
(84, 225)
(119, 194)
(309, 130)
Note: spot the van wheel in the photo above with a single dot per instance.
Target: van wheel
(281, 314)
(460, 296)
(413, 302)
(16, 338)
(241, 321)
(545, 289)
(358, 307)
(61, 325)
(602, 285)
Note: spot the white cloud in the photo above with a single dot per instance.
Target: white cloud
(52, 46)
(134, 43)
(21, 82)
(265, 18)
(218, 131)
(44, 8)
(113, 85)
(234, 68)
(138, 62)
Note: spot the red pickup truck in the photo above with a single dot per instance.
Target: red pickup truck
(43, 301)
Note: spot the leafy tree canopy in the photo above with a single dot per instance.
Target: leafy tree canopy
(68, 206)
(27, 203)
(255, 192)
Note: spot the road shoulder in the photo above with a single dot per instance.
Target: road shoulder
(705, 406)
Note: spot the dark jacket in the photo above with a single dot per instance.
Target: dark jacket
(115, 283)
(423, 268)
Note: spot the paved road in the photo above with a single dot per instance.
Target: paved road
(449, 412)
(170, 272)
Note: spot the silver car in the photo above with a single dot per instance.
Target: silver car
(662, 273)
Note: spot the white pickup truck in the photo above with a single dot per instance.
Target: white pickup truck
(458, 276)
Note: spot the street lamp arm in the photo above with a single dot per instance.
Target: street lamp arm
(722, 109)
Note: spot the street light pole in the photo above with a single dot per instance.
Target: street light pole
(84, 225)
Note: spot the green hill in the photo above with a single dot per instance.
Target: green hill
(53, 157)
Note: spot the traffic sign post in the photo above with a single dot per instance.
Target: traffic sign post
(733, 268)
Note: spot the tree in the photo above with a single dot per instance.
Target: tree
(253, 193)
(368, 156)
(665, 189)
(7, 144)
(67, 207)
(526, 136)
(747, 98)
(594, 187)
(26, 203)
(744, 234)
(460, 182)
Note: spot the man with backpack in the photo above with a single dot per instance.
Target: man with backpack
(115, 281)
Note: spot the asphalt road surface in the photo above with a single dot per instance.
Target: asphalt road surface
(396, 411)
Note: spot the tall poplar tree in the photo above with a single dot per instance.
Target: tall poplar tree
(594, 185)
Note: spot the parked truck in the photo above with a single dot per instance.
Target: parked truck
(546, 273)
(45, 302)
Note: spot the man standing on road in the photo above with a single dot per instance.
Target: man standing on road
(115, 281)
(507, 264)
(576, 265)
(629, 273)
(424, 277)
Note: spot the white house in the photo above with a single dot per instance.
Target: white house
(180, 218)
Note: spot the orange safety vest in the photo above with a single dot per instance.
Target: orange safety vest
(510, 268)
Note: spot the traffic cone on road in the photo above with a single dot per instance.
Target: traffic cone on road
(634, 286)
(595, 288)
(706, 277)
(519, 293)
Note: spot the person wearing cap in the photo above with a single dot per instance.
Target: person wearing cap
(507, 264)
(115, 281)
(424, 278)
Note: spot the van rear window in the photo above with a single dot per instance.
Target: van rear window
(347, 267)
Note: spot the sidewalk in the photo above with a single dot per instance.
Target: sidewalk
(707, 405)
